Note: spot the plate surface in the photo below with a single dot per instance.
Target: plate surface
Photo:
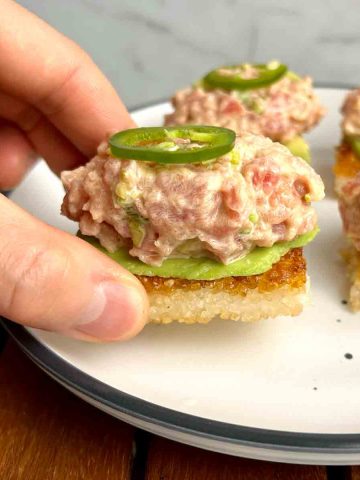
(284, 389)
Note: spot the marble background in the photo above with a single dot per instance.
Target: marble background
(150, 48)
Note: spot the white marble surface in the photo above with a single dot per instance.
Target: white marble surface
(150, 48)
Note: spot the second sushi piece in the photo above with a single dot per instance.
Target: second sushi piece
(264, 99)
(347, 187)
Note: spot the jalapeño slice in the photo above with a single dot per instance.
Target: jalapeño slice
(180, 144)
(245, 76)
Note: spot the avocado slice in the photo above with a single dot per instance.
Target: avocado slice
(258, 261)
(354, 142)
(299, 148)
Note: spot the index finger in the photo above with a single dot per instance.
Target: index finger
(49, 71)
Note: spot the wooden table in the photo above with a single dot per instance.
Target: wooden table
(46, 433)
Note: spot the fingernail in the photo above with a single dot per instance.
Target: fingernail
(115, 312)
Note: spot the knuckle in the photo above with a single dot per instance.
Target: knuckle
(27, 118)
(56, 100)
(46, 267)
(35, 272)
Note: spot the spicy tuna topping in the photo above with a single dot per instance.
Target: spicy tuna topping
(351, 114)
(280, 111)
(255, 195)
(347, 168)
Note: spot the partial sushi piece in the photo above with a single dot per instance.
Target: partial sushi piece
(213, 225)
(351, 257)
(266, 100)
(347, 187)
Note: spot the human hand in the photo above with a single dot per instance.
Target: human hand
(55, 103)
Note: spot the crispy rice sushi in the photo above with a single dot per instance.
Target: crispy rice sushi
(211, 224)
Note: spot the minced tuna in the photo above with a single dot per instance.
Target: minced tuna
(281, 111)
(256, 195)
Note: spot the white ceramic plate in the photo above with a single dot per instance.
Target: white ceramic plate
(286, 389)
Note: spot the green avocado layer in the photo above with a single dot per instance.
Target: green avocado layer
(299, 148)
(354, 142)
(258, 261)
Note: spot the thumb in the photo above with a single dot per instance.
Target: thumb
(54, 281)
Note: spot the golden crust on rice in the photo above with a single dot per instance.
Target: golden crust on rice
(279, 291)
(289, 270)
(347, 162)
